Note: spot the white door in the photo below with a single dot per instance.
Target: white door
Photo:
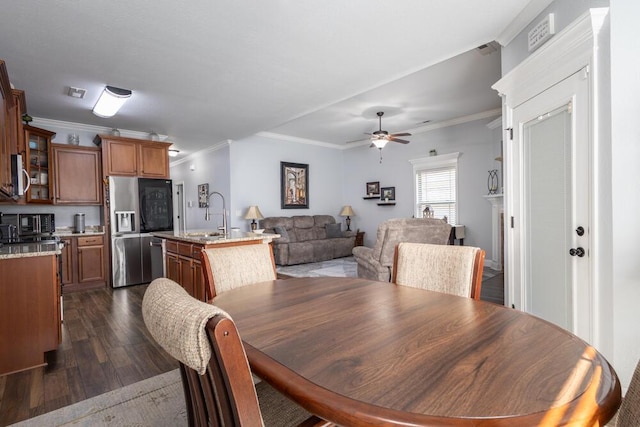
(551, 224)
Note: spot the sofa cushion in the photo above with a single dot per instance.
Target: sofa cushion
(334, 230)
(302, 221)
(284, 235)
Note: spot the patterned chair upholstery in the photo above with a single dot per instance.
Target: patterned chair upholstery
(376, 263)
(230, 267)
(215, 372)
(450, 269)
(629, 413)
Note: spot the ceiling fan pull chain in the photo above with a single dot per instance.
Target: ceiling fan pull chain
(380, 149)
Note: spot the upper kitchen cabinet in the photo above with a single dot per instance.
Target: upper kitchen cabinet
(20, 108)
(7, 132)
(38, 164)
(133, 157)
(77, 175)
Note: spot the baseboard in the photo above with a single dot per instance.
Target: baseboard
(494, 265)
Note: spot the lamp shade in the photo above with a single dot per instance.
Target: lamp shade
(253, 213)
(347, 211)
(110, 101)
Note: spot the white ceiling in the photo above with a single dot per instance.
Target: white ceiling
(205, 71)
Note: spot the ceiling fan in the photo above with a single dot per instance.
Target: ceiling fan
(380, 137)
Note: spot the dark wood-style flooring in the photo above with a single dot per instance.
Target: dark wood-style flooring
(105, 346)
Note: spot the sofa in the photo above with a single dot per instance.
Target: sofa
(308, 238)
(376, 263)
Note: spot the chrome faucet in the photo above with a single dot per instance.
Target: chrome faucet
(207, 214)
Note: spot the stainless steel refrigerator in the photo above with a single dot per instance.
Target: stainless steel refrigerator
(137, 207)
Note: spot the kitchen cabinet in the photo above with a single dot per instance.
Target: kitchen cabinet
(77, 175)
(30, 317)
(20, 108)
(7, 134)
(38, 164)
(184, 267)
(133, 157)
(83, 262)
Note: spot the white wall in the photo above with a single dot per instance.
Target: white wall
(625, 136)
(616, 175)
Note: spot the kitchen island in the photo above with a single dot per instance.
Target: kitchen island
(30, 311)
(182, 254)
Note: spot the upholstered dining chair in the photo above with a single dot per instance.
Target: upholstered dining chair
(230, 267)
(455, 270)
(629, 412)
(216, 377)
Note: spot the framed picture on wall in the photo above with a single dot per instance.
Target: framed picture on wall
(388, 194)
(294, 185)
(373, 188)
(203, 191)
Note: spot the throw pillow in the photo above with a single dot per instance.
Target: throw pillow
(334, 230)
(282, 232)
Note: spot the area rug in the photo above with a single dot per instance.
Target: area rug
(156, 401)
(340, 267)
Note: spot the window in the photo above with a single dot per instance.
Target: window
(436, 186)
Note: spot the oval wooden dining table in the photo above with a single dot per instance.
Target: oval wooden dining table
(364, 353)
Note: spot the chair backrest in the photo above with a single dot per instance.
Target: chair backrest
(217, 380)
(415, 230)
(629, 412)
(230, 267)
(451, 269)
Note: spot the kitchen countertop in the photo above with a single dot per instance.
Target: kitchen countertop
(24, 250)
(211, 238)
(88, 231)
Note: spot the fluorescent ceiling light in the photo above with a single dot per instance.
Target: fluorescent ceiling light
(110, 101)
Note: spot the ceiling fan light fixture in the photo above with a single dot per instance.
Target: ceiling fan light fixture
(379, 143)
(110, 101)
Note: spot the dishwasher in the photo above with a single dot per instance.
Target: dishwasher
(158, 264)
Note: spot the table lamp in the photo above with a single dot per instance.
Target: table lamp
(253, 213)
(347, 211)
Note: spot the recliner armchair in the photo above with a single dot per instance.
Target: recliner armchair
(376, 263)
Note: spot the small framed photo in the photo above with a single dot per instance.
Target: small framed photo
(388, 194)
(203, 192)
(373, 188)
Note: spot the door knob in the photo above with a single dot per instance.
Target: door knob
(580, 231)
(577, 252)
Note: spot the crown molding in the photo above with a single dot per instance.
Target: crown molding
(215, 147)
(81, 127)
(281, 137)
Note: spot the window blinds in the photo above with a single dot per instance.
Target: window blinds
(436, 188)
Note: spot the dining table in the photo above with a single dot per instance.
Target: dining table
(358, 352)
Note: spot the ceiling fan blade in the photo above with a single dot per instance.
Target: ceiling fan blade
(400, 134)
(401, 141)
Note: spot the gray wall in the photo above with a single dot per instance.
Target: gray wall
(208, 167)
(337, 177)
(565, 12)
(477, 145)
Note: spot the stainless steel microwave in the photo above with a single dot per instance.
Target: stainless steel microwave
(31, 224)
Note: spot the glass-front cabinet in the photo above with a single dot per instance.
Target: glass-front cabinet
(38, 164)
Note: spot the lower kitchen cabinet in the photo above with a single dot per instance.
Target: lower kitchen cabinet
(83, 262)
(30, 318)
(184, 267)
